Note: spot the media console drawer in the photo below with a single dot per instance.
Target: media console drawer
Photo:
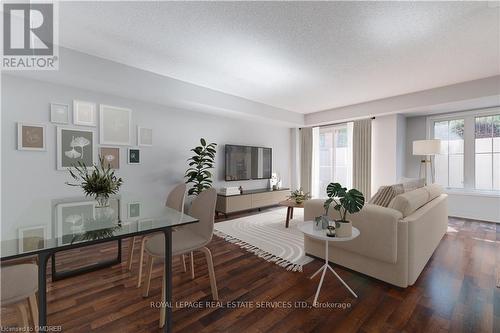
(262, 199)
(251, 199)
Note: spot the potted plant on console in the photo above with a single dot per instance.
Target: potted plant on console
(345, 201)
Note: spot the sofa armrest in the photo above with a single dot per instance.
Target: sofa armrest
(426, 227)
(378, 237)
(313, 208)
(378, 227)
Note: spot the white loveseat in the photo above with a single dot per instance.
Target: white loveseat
(395, 243)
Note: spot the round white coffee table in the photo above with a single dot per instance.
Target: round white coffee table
(308, 229)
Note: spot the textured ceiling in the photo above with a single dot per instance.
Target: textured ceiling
(299, 56)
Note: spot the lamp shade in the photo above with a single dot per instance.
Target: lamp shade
(426, 147)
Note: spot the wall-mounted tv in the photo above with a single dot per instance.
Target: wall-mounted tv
(247, 162)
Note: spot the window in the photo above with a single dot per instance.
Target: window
(470, 149)
(487, 151)
(449, 165)
(333, 155)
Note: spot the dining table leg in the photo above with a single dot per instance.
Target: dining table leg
(168, 280)
(42, 288)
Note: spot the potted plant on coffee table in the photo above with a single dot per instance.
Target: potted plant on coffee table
(299, 196)
(345, 201)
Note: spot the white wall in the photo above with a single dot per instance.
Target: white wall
(93, 73)
(388, 150)
(415, 130)
(30, 179)
(479, 93)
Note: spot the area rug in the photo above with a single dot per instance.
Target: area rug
(265, 235)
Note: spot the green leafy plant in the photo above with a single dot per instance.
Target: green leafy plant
(198, 174)
(345, 201)
(98, 181)
(299, 196)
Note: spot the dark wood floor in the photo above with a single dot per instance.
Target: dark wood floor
(456, 292)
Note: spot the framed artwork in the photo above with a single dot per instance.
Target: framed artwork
(32, 238)
(134, 210)
(84, 113)
(128, 226)
(59, 113)
(144, 224)
(75, 145)
(134, 156)
(144, 136)
(114, 125)
(70, 219)
(111, 156)
(31, 136)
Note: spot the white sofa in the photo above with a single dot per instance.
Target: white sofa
(395, 243)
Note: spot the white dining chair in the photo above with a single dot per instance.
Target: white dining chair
(189, 238)
(175, 200)
(19, 285)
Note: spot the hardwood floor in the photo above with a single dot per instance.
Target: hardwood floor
(456, 292)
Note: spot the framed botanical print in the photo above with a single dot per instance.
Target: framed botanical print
(71, 218)
(31, 136)
(111, 156)
(134, 156)
(114, 125)
(134, 210)
(59, 113)
(75, 145)
(84, 113)
(32, 238)
(144, 136)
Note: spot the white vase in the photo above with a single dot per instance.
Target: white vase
(344, 229)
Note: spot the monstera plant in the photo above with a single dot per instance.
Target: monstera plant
(198, 174)
(345, 201)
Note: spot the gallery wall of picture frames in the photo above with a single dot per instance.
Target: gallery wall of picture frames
(91, 135)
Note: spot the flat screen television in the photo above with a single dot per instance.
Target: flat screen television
(247, 162)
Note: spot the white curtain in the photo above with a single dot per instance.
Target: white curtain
(315, 188)
(306, 158)
(362, 156)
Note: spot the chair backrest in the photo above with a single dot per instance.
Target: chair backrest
(203, 208)
(175, 199)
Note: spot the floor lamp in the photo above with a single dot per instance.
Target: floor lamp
(426, 148)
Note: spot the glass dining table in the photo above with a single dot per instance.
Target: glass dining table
(99, 225)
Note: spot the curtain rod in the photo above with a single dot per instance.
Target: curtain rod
(333, 124)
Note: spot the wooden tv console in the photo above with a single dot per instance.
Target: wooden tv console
(250, 199)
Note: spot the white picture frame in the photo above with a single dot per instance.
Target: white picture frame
(42, 233)
(134, 210)
(133, 156)
(28, 136)
(66, 152)
(67, 225)
(115, 125)
(128, 226)
(144, 136)
(59, 113)
(144, 224)
(84, 113)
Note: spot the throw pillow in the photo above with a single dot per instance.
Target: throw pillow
(411, 184)
(385, 194)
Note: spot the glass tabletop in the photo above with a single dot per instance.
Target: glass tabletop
(78, 223)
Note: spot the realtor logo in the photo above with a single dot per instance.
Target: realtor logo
(29, 36)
